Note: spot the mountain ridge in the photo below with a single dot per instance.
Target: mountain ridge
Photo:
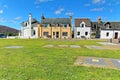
(7, 29)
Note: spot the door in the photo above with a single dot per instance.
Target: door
(57, 34)
(116, 35)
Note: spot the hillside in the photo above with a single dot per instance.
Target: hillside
(6, 29)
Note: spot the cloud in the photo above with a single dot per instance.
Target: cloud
(98, 1)
(97, 9)
(41, 1)
(17, 18)
(117, 2)
(1, 11)
(59, 11)
(69, 13)
(87, 5)
(5, 6)
(37, 6)
(2, 20)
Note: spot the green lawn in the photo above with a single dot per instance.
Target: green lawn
(34, 62)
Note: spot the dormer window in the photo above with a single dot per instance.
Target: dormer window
(82, 25)
(25, 24)
(56, 25)
(65, 25)
(45, 25)
(107, 25)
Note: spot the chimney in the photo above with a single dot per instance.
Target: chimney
(71, 20)
(71, 17)
(30, 18)
(99, 20)
(42, 17)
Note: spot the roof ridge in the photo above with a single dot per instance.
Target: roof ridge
(57, 18)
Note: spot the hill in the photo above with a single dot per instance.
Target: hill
(8, 30)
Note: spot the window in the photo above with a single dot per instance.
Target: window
(82, 25)
(78, 33)
(55, 25)
(45, 33)
(53, 33)
(107, 34)
(45, 25)
(65, 34)
(86, 33)
(25, 24)
(107, 26)
(95, 27)
(34, 32)
(65, 25)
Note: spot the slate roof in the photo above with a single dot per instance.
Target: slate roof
(56, 21)
(78, 21)
(113, 25)
(34, 23)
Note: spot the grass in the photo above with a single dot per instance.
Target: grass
(34, 62)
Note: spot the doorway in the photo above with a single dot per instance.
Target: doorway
(116, 35)
(57, 34)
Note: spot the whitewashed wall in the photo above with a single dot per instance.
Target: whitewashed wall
(111, 34)
(82, 32)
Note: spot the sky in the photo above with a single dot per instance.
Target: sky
(13, 12)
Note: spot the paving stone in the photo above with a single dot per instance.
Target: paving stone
(49, 45)
(98, 62)
(63, 45)
(95, 47)
(116, 62)
(95, 62)
(107, 43)
(75, 46)
(15, 47)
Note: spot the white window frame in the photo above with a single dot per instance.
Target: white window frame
(64, 33)
(64, 25)
(79, 33)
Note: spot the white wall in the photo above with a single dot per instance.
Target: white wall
(82, 32)
(26, 32)
(111, 34)
(36, 32)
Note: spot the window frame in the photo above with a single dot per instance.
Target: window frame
(86, 33)
(65, 25)
(107, 34)
(78, 33)
(64, 33)
(45, 33)
(34, 32)
(46, 25)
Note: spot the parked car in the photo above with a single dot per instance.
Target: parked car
(2, 36)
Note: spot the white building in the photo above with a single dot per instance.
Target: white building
(110, 30)
(29, 28)
(82, 28)
(110, 34)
